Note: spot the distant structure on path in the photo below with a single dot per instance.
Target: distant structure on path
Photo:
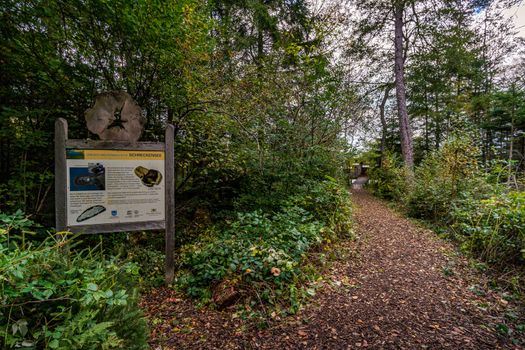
(359, 175)
(358, 170)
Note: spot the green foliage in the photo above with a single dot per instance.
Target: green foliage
(283, 145)
(16, 227)
(55, 299)
(449, 190)
(328, 202)
(247, 252)
(246, 124)
(151, 265)
(256, 104)
(57, 55)
(444, 177)
(143, 249)
(389, 180)
(493, 229)
(263, 255)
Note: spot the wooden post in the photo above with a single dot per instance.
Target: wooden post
(60, 175)
(169, 168)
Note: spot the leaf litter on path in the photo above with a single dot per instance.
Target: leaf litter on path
(402, 290)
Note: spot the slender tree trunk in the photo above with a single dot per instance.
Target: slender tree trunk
(427, 117)
(384, 125)
(404, 124)
(260, 47)
(489, 143)
(511, 138)
(437, 120)
(511, 152)
(522, 162)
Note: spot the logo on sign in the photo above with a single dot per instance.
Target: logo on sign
(114, 213)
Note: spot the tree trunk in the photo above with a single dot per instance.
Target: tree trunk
(511, 137)
(260, 47)
(384, 125)
(404, 124)
(437, 118)
(427, 118)
(511, 152)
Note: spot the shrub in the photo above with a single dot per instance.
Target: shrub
(256, 249)
(262, 255)
(494, 229)
(388, 181)
(151, 265)
(328, 202)
(444, 177)
(52, 297)
(145, 249)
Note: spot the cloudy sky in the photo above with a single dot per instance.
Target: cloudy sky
(517, 12)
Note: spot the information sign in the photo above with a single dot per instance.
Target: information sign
(110, 186)
(115, 186)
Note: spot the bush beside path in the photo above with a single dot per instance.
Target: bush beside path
(401, 287)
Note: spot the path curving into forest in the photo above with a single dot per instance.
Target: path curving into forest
(404, 289)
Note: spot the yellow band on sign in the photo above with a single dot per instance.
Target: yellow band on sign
(122, 155)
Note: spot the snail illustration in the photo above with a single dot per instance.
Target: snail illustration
(149, 177)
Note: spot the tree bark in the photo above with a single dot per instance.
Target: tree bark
(399, 69)
(384, 125)
(427, 118)
(260, 48)
(511, 136)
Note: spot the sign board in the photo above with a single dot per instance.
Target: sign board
(115, 186)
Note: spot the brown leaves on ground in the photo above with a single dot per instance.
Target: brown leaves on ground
(405, 290)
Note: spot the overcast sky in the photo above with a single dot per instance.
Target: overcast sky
(517, 12)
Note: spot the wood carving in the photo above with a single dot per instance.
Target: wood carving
(115, 116)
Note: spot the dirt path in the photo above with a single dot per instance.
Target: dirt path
(404, 290)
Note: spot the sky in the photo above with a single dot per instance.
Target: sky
(517, 12)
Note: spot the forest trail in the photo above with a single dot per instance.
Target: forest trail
(404, 289)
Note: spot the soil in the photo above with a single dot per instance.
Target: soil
(401, 288)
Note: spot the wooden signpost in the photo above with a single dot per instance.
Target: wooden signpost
(115, 186)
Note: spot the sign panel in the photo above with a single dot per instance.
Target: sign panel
(114, 186)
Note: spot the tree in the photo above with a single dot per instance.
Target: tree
(373, 28)
(444, 75)
(405, 130)
(448, 54)
(56, 55)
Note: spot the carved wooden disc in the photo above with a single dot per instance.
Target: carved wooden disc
(115, 116)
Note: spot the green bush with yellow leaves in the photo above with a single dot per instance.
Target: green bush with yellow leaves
(261, 257)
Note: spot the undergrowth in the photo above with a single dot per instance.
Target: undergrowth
(450, 191)
(261, 257)
(494, 228)
(54, 296)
